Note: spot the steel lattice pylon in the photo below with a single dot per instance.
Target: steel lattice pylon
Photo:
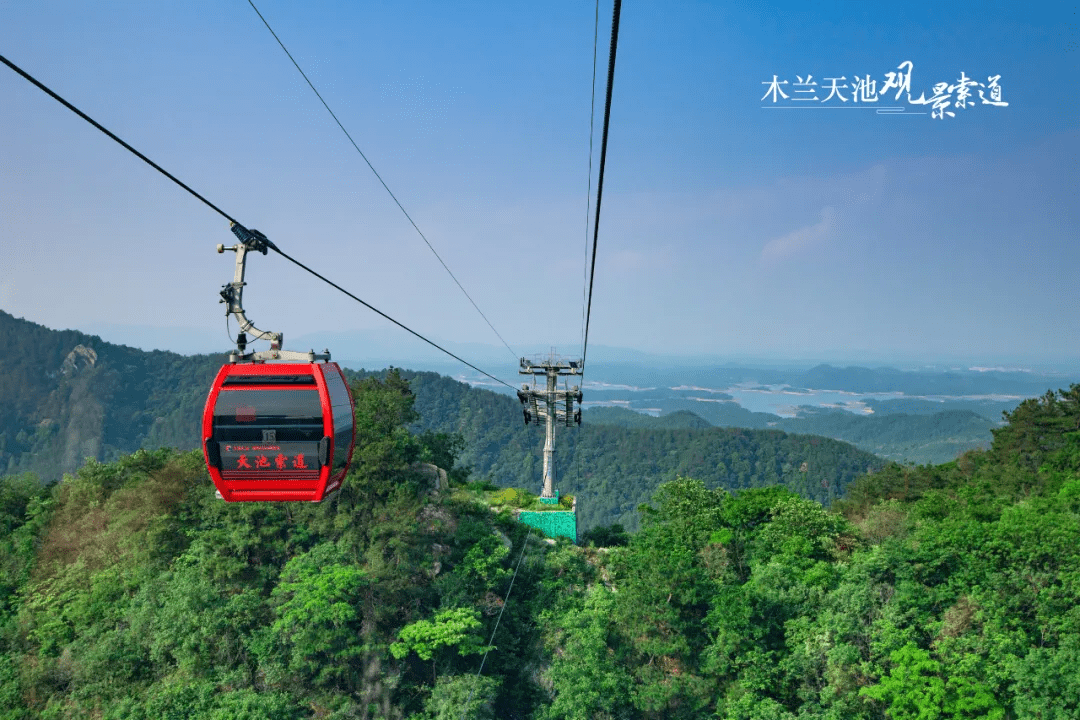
(551, 404)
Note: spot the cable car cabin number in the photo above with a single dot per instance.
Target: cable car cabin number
(280, 432)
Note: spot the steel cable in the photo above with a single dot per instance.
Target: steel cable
(588, 191)
(603, 158)
(225, 215)
(383, 182)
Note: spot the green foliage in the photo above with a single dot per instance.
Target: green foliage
(455, 629)
(939, 592)
(1046, 681)
(513, 497)
(458, 696)
(606, 536)
(133, 593)
(914, 690)
(1037, 428)
(25, 510)
(442, 450)
(482, 565)
(383, 445)
(319, 614)
(481, 486)
(16, 493)
(954, 594)
(201, 699)
(586, 683)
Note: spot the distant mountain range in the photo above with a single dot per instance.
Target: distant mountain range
(389, 346)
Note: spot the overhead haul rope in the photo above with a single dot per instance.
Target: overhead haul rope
(93, 122)
(603, 159)
(380, 312)
(599, 193)
(228, 217)
(387, 188)
(588, 192)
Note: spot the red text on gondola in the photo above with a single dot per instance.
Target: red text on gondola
(280, 461)
(298, 462)
(242, 462)
(262, 462)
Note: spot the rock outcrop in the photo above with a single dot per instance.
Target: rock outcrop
(79, 359)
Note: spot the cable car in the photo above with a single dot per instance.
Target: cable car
(278, 431)
(273, 430)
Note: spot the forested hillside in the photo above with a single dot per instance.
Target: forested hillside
(922, 438)
(66, 396)
(128, 591)
(611, 469)
(900, 437)
(630, 419)
(936, 592)
(70, 396)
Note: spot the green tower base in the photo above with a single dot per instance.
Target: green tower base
(553, 523)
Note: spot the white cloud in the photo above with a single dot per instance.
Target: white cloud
(804, 237)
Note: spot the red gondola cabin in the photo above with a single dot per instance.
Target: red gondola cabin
(279, 432)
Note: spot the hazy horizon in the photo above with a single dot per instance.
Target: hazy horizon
(390, 350)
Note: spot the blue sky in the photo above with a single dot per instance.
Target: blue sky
(727, 228)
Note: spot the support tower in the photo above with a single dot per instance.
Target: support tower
(550, 404)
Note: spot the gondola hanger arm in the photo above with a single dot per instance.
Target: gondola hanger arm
(232, 295)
